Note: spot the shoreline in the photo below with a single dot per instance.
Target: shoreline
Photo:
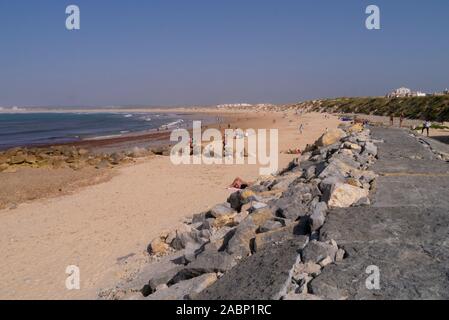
(102, 139)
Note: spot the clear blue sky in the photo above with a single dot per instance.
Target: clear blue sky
(183, 52)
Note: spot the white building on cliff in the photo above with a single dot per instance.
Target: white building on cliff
(405, 92)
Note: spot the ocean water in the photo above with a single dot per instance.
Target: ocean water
(30, 129)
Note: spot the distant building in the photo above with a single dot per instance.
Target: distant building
(234, 105)
(441, 93)
(400, 93)
(418, 94)
(405, 92)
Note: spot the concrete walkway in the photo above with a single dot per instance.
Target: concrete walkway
(405, 232)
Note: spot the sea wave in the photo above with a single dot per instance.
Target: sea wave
(173, 124)
(104, 137)
(145, 118)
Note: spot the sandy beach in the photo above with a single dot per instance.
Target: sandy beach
(104, 226)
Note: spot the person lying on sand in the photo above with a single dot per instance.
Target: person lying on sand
(240, 184)
(294, 151)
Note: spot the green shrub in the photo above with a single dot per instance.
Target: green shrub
(433, 108)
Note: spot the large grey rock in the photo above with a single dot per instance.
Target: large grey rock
(278, 236)
(344, 195)
(220, 210)
(190, 239)
(208, 224)
(336, 168)
(318, 216)
(309, 173)
(326, 152)
(295, 202)
(290, 208)
(370, 148)
(262, 276)
(240, 244)
(352, 146)
(221, 235)
(209, 261)
(331, 137)
(316, 251)
(160, 278)
(270, 225)
(257, 206)
(282, 183)
(346, 158)
(327, 184)
(184, 290)
(300, 189)
(190, 252)
(157, 271)
(199, 217)
(235, 201)
(337, 193)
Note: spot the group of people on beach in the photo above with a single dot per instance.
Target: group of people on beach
(401, 120)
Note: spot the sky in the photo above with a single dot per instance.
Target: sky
(204, 52)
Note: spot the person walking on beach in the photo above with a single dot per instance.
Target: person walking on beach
(391, 120)
(301, 127)
(426, 126)
(401, 119)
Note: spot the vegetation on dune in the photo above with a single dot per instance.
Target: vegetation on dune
(433, 108)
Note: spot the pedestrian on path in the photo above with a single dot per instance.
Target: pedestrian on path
(426, 126)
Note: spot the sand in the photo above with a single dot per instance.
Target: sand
(30, 184)
(104, 229)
